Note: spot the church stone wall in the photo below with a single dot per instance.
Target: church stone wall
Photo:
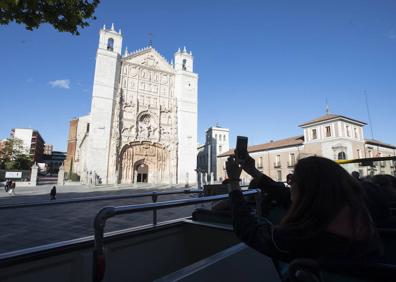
(141, 123)
(145, 113)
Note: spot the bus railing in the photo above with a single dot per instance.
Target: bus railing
(99, 259)
(154, 196)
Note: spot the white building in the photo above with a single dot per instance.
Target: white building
(143, 121)
(32, 142)
(216, 142)
(332, 136)
(25, 135)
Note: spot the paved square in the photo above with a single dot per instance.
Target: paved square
(27, 227)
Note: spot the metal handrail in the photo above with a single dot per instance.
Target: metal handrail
(99, 260)
(154, 195)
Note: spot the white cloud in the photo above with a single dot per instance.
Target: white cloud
(60, 83)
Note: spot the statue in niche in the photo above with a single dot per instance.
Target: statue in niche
(164, 79)
(128, 106)
(133, 71)
(127, 131)
(164, 132)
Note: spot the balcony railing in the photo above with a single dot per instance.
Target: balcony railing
(277, 164)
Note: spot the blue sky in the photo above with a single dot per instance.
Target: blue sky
(264, 66)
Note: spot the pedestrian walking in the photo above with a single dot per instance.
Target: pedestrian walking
(11, 189)
(7, 185)
(53, 193)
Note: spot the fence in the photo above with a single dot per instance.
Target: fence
(25, 175)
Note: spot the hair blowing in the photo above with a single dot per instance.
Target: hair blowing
(322, 189)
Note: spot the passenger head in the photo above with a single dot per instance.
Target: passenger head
(387, 183)
(355, 174)
(321, 189)
(289, 178)
(384, 180)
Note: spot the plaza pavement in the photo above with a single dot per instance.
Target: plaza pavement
(32, 226)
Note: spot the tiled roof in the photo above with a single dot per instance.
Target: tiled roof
(329, 117)
(291, 141)
(379, 143)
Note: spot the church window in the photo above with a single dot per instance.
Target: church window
(110, 44)
(328, 131)
(356, 132)
(220, 149)
(314, 134)
(341, 156)
(145, 118)
(184, 64)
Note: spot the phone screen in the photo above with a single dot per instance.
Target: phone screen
(241, 147)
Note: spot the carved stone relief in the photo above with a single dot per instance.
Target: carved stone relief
(155, 156)
(144, 124)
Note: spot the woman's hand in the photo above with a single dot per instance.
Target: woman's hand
(248, 164)
(233, 169)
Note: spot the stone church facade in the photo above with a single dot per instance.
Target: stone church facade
(143, 121)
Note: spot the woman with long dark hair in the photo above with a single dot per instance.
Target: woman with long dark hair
(326, 213)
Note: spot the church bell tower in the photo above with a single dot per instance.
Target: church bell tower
(107, 71)
(186, 91)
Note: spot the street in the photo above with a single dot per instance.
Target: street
(33, 226)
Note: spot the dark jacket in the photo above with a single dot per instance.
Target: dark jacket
(377, 201)
(283, 244)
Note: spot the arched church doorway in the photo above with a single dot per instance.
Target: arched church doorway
(141, 170)
(144, 162)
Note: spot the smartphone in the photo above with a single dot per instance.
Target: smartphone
(241, 147)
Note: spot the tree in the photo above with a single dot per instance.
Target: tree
(14, 155)
(63, 15)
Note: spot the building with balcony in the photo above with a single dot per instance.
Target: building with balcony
(332, 136)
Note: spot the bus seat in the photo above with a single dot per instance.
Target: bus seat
(308, 270)
(388, 237)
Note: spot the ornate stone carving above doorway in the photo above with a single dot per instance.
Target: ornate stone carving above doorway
(144, 162)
